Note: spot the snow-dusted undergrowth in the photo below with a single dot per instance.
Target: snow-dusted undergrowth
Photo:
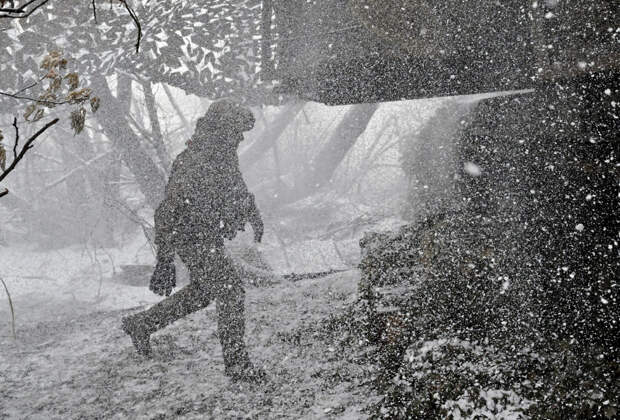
(80, 365)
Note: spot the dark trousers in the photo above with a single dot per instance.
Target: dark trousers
(212, 277)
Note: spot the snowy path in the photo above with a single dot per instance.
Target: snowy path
(85, 367)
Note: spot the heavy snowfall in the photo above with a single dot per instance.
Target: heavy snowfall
(326, 209)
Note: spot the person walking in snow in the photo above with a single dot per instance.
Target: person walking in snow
(206, 202)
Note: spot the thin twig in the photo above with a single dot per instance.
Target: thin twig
(25, 14)
(136, 21)
(75, 170)
(26, 147)
(26, 88)
(31, 86)
(128, 212)
(176, 107)
(134, 217)
(40, 101)
(48, 158)
(16, 138)
(8, 295)
(95, 11)
(18, 10)
(314, 275)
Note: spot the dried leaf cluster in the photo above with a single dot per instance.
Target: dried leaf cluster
(78, 118)
(60, 88)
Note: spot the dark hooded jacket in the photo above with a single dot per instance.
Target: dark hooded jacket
(207, 199)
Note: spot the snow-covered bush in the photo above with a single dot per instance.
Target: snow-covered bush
(456, 317)
(515, 244)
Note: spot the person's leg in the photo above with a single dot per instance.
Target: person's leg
(189, 299)
(231, 324)
(230, 296)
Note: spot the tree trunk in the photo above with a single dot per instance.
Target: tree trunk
(111, 116)
(157, 136)
(187, 131)
(322, 167)
(270, 135)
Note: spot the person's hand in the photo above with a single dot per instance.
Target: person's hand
(254, 218)
(163, 279)
(257, 227)
(258, 232)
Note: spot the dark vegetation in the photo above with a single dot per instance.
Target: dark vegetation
(507, 300)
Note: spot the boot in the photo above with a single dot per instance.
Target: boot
(231, 329)
(242, 369)
(140, 326)
(136, 328)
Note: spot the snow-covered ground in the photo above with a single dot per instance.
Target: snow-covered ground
(71, 360)
(77, 363)
(45, 285)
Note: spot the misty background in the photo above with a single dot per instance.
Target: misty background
(438, 183)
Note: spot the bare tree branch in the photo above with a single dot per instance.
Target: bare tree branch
(31, 85)
(27, 146)
(75, 170)
(175, 105)
(41, 101)
(13, 9)
(21, 12)
(94, 11)
(136, 21)
(157, 136)
(47, 158)
(16, 138)
(8, 295)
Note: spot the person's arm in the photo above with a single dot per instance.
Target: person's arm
(163, 231)
(255, 219)
(250, 212)
(163, 279)
(165, 217)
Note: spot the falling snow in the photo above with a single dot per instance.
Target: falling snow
(250, 209)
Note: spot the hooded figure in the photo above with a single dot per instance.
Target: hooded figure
(206, 202)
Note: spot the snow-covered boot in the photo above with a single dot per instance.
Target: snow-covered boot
(240, 368)
(137, 329)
